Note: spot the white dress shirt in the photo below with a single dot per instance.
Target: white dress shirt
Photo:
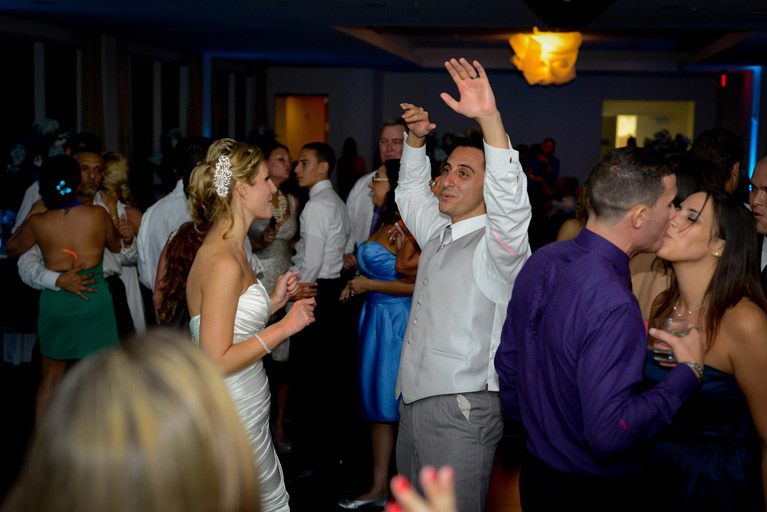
(157, 224)
(495, 261)
(360, 206)
(325, 230)
(31, 196)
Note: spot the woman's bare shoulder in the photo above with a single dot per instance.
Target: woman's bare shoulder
(745, 325)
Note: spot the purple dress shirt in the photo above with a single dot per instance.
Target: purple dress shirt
(571, 355)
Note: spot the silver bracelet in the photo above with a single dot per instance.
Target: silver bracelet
(696, 367)
(262, 343)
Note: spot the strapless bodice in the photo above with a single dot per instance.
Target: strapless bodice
(253, 311)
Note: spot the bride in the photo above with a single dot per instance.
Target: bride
(228, 306)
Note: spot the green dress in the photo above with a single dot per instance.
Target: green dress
(72, 328)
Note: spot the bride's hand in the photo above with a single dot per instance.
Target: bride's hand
(286, 286)
(300, 315)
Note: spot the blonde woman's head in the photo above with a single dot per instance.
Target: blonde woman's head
(211, 202)
(116, 175)
(147, 425)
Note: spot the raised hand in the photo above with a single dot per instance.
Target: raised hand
(476, 96)
(417, 120)
(477, 100)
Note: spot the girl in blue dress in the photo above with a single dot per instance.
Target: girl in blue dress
(381, 330)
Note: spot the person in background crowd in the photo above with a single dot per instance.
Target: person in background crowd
(382, 327)
(359, 204)
(116, 180)
(274, 250)
(70, 327)
(351, 166)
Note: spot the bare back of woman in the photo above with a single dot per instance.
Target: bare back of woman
(76, 235)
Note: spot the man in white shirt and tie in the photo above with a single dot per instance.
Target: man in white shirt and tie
(450, 409)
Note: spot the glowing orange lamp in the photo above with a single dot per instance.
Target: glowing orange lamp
(546, 57)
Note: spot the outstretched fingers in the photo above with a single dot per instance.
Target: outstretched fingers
(468, 69)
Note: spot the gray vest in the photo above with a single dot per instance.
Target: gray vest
(447, 342)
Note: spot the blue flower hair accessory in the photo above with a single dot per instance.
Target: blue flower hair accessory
(62, 188)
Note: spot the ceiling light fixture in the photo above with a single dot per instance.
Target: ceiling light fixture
(546, 57)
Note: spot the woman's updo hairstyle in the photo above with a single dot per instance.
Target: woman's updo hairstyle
(210, 200)
(59, 179)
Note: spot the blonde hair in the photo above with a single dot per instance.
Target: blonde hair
(147, 425)
(205, 205)
(116, 175)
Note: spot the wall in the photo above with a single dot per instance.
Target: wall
(571, 113)
(351, 109)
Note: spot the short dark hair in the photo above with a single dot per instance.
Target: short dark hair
(390, 211)
(59, 178)
(323, 153)
(189, 151)
(549, 139)
(474, 140)
(268, 145)
(626, 177)
(693, 174)
(720, 145)
(393, 121)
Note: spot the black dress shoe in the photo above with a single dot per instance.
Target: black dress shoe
(355, 504)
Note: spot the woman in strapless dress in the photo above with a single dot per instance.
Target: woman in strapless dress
(228, 306)
(713, 455)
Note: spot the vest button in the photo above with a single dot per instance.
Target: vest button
(415, 321)
(425, 281)
(409, 342)
(420, 301)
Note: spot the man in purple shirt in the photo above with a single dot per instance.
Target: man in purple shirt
(573, 345)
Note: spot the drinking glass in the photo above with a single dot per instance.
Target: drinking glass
(674, 326)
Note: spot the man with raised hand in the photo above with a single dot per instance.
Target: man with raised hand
(474, 240)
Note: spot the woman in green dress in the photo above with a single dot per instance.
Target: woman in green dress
(70, 235)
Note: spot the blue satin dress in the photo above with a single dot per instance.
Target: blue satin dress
(381, 331)
(709, 459)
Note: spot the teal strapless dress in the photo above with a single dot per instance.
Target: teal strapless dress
(709, 459)
(69, 327)
(381, 330)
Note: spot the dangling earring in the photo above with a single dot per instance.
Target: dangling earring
(246, 196)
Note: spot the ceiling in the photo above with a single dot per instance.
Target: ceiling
(619, 35)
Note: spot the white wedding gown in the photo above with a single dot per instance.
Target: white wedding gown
(249, 389)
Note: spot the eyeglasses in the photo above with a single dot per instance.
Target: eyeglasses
(376, 179)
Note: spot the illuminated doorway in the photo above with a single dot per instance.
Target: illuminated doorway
(642, 120)
(299, 120)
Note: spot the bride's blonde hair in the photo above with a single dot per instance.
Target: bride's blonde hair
(205, 204)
